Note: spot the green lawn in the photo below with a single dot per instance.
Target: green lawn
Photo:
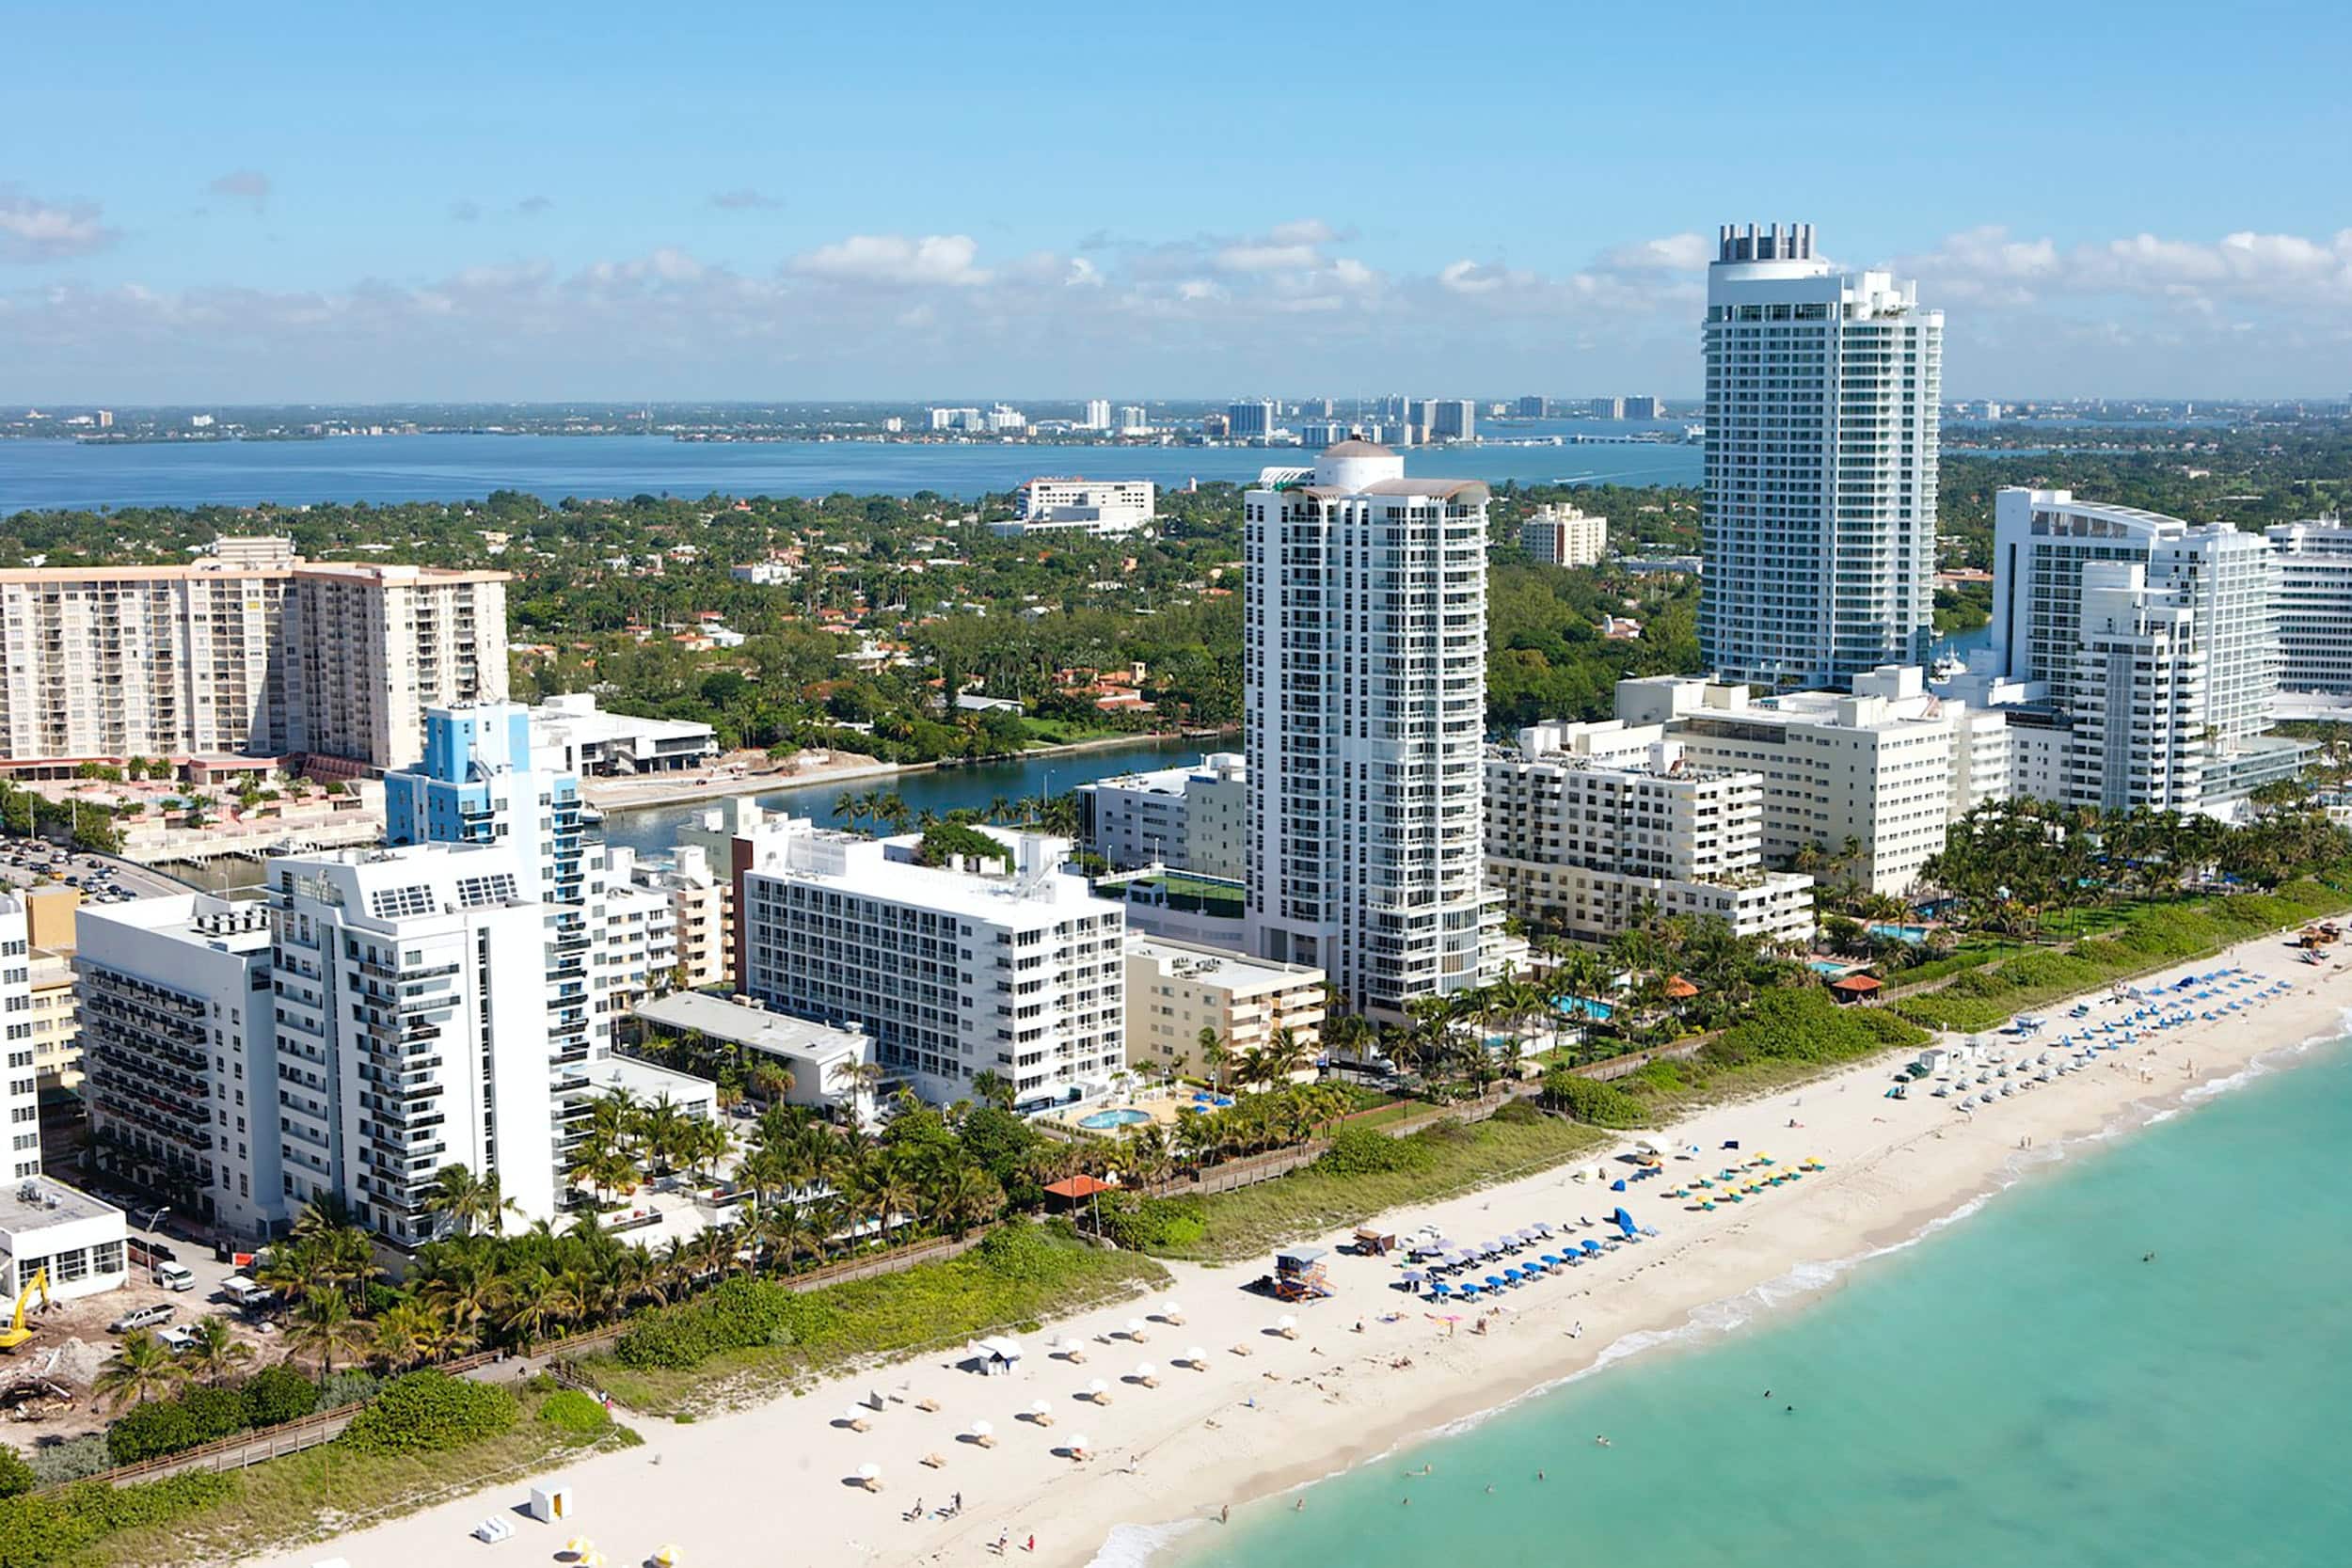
(1067, 732)
(1251, 1222)
(325, 1491)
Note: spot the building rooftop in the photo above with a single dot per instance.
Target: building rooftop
(38, 1202)
(1238, 970)
(753, 1027)
(1356, 449)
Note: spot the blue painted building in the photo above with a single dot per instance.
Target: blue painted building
(477, 784)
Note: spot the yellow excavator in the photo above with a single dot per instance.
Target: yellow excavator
(16, 1333)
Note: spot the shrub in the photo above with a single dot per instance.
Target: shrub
(1591, 1101)
(429, 1412)
(1153, 1224)
(43, 1529)
(74, 1459)
(580, 1417)
(16, 1476)
(166, 1426)
(1368, 1152)
(354, 1387)
(740, 1314)
(278, 1394)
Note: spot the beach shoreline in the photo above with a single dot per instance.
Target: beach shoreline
(1371, 1371)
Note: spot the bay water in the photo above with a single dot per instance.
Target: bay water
(2019, 1385)
(459, 467)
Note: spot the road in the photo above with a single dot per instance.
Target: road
(140, 880)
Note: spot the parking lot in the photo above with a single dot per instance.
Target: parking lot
(102, 879)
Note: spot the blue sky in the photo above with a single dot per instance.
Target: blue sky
(763, 201)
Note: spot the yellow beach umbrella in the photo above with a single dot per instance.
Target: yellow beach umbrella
(580, 1545)
(666, 1556)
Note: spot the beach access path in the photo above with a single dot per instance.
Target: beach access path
(1370, 1369)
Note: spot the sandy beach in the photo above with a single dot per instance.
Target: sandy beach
(1367, 1370)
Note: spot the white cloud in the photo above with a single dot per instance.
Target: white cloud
(896, 259)
(1674, 253)
(249, 186)
(743, 199)
(897, 314)
(36, 230)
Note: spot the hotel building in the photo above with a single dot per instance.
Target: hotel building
(1819, 523)
(1010, 967)
(1590, 826)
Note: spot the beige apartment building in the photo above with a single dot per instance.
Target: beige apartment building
(55, 1012)
(1175, 989)
(250, 651)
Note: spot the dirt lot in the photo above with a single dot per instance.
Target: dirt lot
(70, 1345)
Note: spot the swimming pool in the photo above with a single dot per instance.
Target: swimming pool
(1913, 934)
(1101, 1120)
(1583, 1007)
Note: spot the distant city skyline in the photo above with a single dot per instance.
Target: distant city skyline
(749, 205)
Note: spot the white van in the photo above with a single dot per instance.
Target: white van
(243, 1292)
(174, 1276)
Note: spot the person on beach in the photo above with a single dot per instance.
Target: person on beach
(1225, 1514)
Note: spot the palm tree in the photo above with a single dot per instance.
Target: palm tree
(1216, 1055)
(960, 1195)
(407, 1335)
(991, 1088)
(140, 1371)
(466, 1198)
(860, 1079)
(324, 1330)
(214, 1352)
(845, 806)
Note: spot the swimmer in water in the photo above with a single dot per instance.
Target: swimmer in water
(1603, 1442)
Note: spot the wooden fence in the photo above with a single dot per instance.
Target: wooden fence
(244, 1449)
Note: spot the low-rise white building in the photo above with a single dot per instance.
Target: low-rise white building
(569, 734)
(48, 1227)
(1175, 990)
(818, 1057)
(1192, 818)
(1013, 969)
(1588, 826)
(1565, 536)
(1085, 505)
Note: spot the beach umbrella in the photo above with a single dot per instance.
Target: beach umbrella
(1148, 1374)
(1412, 1276)
(871, 1474)
(1287, 1326)
(1077, 1445)
(1040, 1414)
(580, 1545)
(1135, 1330)
(1098, 1392)
(854, 1418)
(1617, 1186)
(1171, 1312)
(1075, 1350)
(666, 1556)
(1197, 1358)
(984, 1434)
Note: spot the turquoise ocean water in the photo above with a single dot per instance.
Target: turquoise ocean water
(2017, 1388)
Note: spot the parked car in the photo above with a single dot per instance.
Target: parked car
(179, 1337)
(142, 1316)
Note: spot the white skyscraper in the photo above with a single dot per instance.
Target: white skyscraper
(2045, 547)
(1098, 415)
(1364, 663)
(1818, 529)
